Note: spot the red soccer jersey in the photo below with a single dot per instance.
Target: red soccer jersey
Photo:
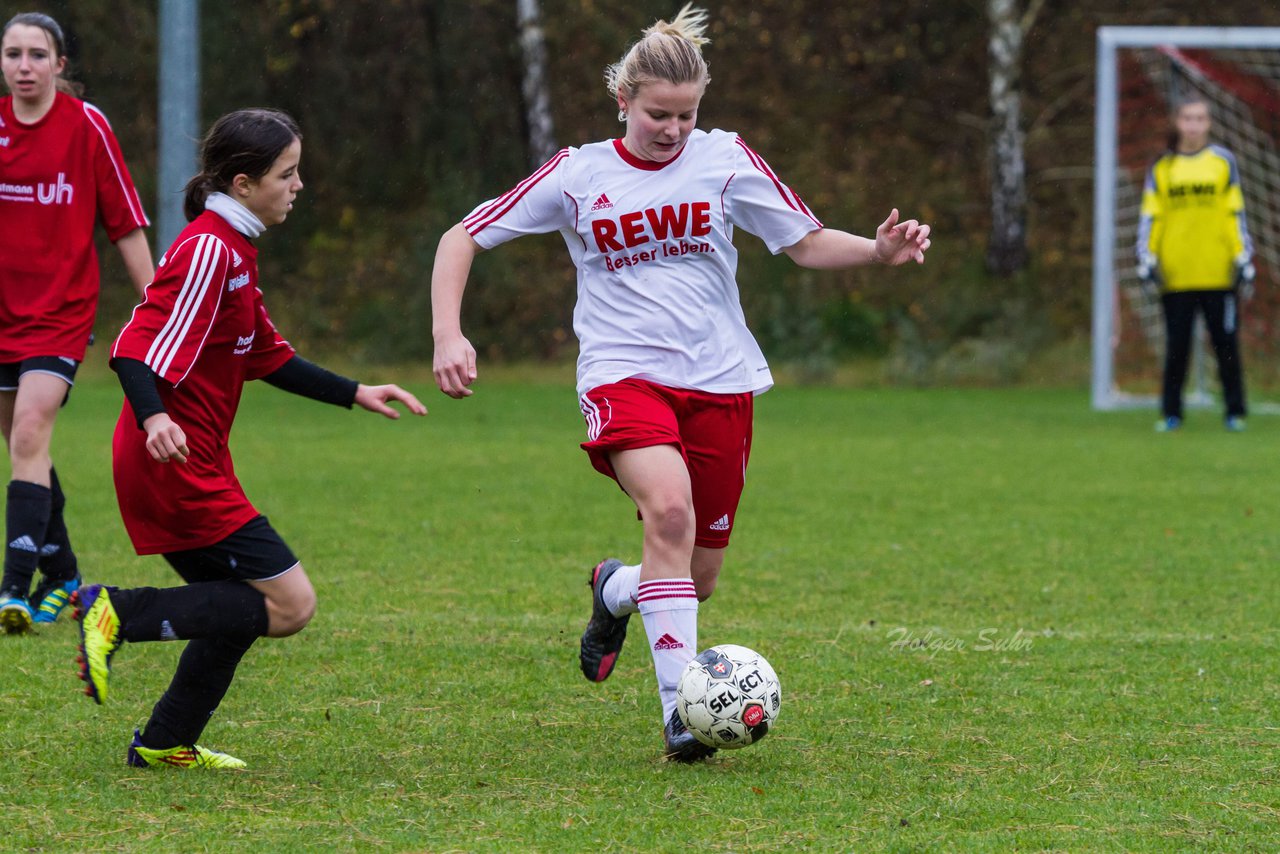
(204, 331)
(58, 176)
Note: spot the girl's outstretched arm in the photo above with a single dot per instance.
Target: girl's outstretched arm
(895, 243)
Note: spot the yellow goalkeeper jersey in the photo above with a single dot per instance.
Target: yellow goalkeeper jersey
(1192, 224)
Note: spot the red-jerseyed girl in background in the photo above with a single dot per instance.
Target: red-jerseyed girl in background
(61, 171)
(200, 334)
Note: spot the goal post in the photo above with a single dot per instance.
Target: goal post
(1140, 73)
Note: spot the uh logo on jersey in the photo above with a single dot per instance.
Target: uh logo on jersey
(671, 226)
(59, 193)
(56, 193)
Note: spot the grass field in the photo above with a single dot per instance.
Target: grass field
(1000, 621)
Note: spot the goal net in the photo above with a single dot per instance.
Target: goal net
(1142, 72)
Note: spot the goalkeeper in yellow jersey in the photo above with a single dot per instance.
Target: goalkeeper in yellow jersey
(1194, 248)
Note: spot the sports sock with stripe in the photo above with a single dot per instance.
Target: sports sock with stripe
(669, 608)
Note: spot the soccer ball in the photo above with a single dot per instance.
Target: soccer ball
(728, 696)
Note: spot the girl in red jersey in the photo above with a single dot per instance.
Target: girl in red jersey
(667, 367)
(183, 358)
(60, 172)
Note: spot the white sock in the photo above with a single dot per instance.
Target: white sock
(622, 590)
(669, 607)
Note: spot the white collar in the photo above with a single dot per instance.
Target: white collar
(237, 215)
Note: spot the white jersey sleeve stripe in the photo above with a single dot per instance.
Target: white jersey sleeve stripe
(204, 263)
(99, 122)
(486, 215)
(788, 195)
(216, 254)
(165, 341)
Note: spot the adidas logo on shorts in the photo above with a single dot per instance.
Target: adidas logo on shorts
(721, 524)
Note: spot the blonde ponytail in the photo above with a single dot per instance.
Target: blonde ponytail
(669, 50)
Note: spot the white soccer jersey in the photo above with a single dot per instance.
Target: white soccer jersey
(653, 244)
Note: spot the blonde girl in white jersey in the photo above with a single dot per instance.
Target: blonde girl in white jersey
(667, 367)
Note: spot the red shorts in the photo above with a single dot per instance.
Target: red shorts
(711, 431)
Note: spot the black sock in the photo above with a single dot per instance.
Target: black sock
(26, 520)
(204, 673)
(207, 609)
(57, 560)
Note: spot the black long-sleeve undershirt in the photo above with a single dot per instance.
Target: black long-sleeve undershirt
(139, 384)
(297, 376)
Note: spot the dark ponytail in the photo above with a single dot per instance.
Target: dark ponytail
(194, 194)
(246, 142)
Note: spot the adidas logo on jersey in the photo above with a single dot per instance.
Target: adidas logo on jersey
(4, 141)
(721, 524)
(601, 203)
(236, 260)
(668, 642)
(24, 544)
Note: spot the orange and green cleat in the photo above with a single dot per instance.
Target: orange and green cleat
(188, 756)
(99, 638)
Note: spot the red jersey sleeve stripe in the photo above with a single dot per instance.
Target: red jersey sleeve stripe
(206, 261)
(484, 217)
(103, 127)
(520, 188)
(788, 195)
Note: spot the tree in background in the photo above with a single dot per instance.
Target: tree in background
(537, 100)
(1007, 247)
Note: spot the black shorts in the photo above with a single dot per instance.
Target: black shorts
(59, 366)
(254, 552)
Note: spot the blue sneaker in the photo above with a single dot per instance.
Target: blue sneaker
(51, 596)
(15, 613)
(1234, 423)
(1168, 424)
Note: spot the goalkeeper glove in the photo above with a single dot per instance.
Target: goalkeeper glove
(1148, 267)
(1245, 274)
(1149, 274)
